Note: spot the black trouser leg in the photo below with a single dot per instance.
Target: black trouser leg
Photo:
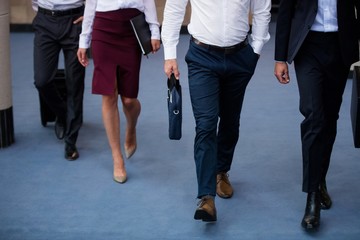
(46, 58)
(75, 74)
(321, 76)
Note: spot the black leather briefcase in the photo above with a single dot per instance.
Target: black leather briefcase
(355, 106)
(46, 114)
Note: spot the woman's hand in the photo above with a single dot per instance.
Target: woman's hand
(82, 57)
(155, 43)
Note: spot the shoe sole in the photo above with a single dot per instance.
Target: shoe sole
(72, 157)
(225, 196)
(310, 227)
(204, 216)
(122, 181)
(324, 206)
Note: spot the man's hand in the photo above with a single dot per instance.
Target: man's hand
(171, 66)
(79, 20)
(83, 59)
(281, 72)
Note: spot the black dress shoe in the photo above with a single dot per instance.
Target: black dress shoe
(59, 129)
(311, 219)
(325, 200)
(206, 210)
(71, 152)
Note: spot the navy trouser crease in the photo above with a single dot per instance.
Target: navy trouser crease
(321, 76)
(217, 83)
(52, 35)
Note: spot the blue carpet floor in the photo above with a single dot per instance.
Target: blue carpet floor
(43, 196)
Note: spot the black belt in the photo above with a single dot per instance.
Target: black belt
(59, 13)
(226, 50)
(324, 37)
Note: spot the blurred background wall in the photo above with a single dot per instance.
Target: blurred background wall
(22, 14)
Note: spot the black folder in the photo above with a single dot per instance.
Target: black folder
(142, 32)
(355, 106)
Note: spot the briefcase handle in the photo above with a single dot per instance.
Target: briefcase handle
(173, 82)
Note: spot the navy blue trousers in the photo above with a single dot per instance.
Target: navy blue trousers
(217, 83)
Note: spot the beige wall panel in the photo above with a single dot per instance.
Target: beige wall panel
(21, 11)
(4, 7)
(160, 5)
(5, 80)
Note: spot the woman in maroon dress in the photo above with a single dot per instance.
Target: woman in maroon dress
(117, 58)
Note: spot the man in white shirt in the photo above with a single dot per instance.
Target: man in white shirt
(57, 27)
(221, 60)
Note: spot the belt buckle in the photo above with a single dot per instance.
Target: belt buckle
(197, 42)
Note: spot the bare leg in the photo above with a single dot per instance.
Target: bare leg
(131, 108)
(111, 120)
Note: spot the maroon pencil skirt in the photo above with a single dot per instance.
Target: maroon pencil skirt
(116, 54)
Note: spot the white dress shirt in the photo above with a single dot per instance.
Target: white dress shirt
(326, 17)
(146, 6)
(57, 4)
(221, 23)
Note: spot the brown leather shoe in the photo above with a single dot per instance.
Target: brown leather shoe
(223, 186)
(206, 210)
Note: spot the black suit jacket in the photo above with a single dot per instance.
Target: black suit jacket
(295, 18)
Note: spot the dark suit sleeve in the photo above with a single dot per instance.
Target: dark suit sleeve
(357, 6)
(283, 29)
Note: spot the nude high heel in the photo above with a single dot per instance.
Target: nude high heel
(129, 151)
(120, 179)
